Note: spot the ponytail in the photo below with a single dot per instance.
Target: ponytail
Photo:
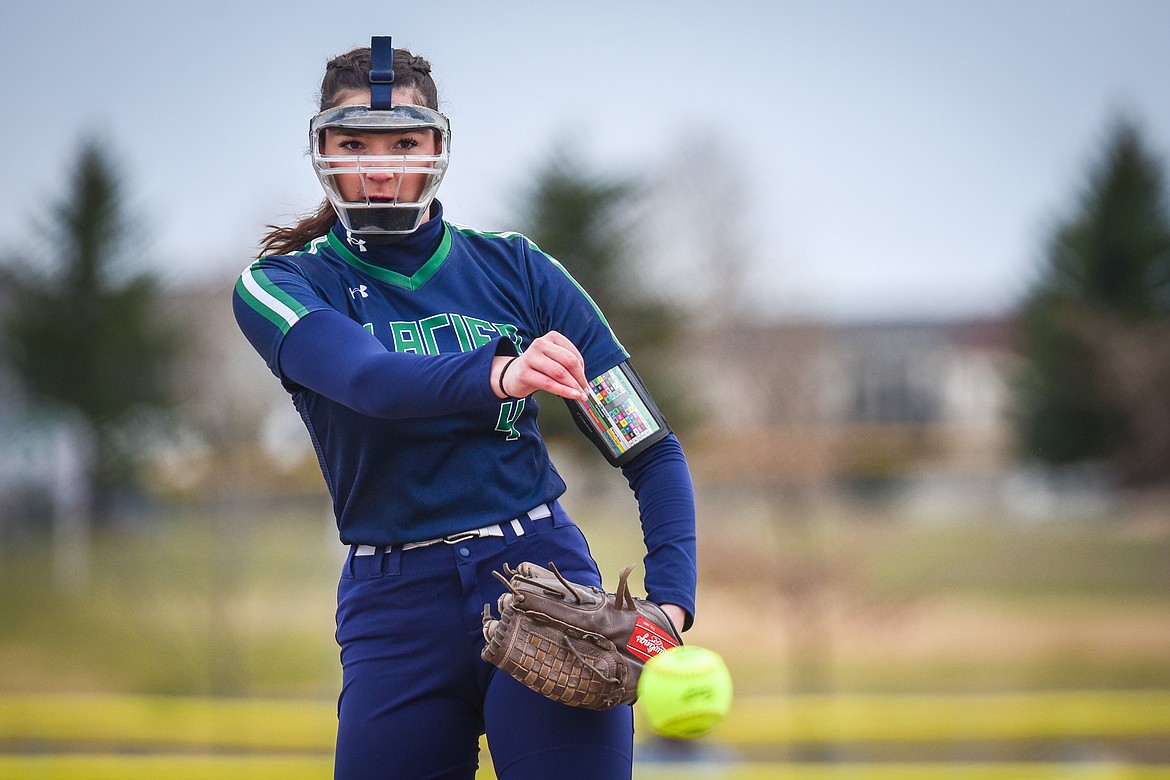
(286, 240)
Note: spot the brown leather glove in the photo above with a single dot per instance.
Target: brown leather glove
(573, 643)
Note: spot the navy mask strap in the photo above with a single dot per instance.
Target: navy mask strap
(381, 72)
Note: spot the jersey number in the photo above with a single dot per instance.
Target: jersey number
(510, 412)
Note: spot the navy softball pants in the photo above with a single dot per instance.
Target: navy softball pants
(415, 694)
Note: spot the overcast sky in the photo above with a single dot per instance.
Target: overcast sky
(903, 159)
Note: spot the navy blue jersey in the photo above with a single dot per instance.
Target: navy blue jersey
(404, 477)
(386, 349)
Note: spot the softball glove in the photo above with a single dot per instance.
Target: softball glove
(573, 643)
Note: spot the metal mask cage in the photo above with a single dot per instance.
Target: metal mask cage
(374, 217)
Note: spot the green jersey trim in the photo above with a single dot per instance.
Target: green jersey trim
(273, 303)
(420, 277)
(509, 234)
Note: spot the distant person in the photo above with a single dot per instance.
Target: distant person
(411, 348)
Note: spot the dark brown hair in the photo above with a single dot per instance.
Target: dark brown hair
(349, 72)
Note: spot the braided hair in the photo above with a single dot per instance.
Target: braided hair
(346, 73)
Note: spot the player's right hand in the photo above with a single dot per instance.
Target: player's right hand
(551, 363)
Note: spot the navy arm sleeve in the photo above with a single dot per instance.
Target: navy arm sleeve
(331, 354)
(328, 353)
(661, 481)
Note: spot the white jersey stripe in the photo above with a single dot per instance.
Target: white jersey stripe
(265, 298)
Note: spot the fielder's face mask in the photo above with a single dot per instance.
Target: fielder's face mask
(382, 213)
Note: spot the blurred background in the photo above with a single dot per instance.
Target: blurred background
(898, 273)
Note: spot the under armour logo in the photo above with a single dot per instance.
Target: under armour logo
(354, 292)
(359, 243)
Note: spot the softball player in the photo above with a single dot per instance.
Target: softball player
(411, 348)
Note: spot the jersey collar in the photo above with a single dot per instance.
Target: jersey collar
(407, 253)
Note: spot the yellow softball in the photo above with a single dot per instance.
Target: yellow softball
(684, 691)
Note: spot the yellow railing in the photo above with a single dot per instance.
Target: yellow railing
(307, 725)
(85, 737)
(942, 718)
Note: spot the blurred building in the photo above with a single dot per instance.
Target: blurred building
(800, 405)
(788, 406)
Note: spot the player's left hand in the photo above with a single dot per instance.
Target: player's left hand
(551, 363)
(677, 615)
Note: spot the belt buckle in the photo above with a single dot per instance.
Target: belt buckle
(462, 536)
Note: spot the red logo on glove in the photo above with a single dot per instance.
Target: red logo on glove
(648, 640)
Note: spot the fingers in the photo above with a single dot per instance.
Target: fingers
(576, 365)
(551, 363)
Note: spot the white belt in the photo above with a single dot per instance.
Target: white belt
(495, 529)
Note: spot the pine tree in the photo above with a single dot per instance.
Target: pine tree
(1096, 326)
(82, 329)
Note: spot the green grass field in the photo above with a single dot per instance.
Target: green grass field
(231, 602)
(200, 645)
